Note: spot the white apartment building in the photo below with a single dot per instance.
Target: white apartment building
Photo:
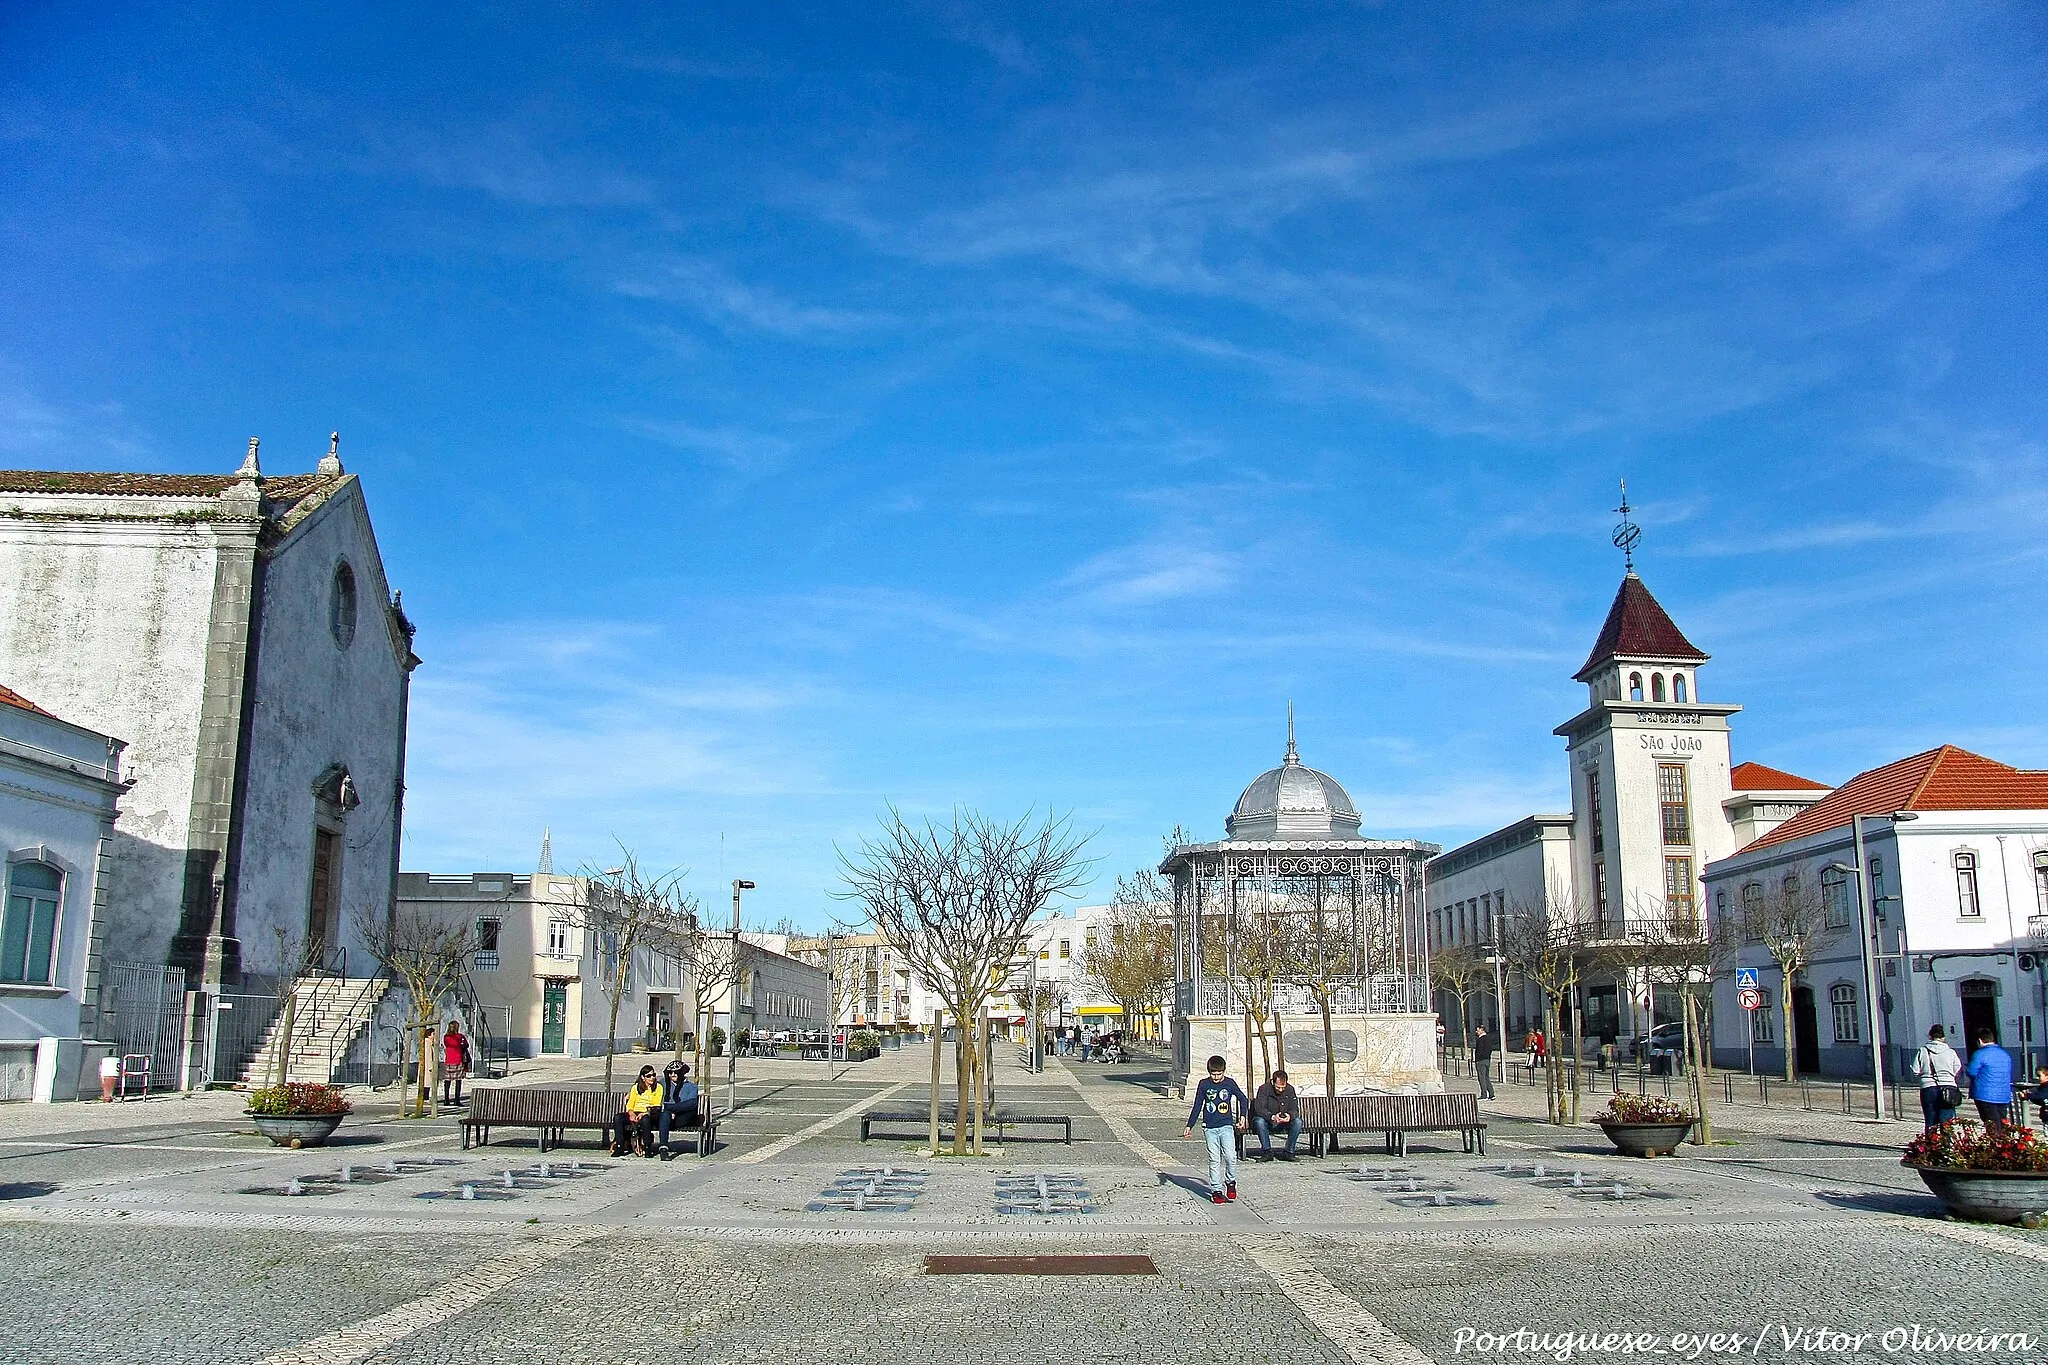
(1950, 912)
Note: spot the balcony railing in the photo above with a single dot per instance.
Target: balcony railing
(1660, 929)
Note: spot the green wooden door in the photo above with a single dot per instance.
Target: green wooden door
(554, 1016)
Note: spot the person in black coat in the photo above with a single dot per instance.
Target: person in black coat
(1484, 1045)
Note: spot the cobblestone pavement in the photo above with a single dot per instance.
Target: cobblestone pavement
(136, 1236)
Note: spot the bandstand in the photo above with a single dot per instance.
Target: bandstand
(1293, 908)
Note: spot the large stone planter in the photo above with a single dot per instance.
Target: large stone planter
(1647, 1139)
(297, 1130)
(1986, 1196)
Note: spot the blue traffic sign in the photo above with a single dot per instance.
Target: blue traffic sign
(1745, 978)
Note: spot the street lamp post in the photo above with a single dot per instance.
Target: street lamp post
(732, 1012)
(1866, 928)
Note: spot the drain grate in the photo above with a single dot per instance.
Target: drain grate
(1043, 1194)
(1040, 1265)
(870, 1189)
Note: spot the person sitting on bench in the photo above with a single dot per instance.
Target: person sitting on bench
(678, 1103)
(634, 1127)
(1277, 1105)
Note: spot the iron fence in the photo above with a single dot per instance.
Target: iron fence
(147, 1007)
(237, 1023)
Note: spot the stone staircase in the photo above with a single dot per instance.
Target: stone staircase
(328, 1007)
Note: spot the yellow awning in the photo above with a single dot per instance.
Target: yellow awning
(1089, 1011)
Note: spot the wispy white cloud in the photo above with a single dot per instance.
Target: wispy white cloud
(717, 295)
(739, 451)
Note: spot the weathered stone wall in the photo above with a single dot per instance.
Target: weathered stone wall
(1391, 1053)
(104, 621)
(318, 704)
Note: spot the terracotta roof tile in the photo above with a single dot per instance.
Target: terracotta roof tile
(10, 697)
(1947, 778)
(1638, 628)
(1755, 777)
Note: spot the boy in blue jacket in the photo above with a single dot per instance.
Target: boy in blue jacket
(1220, 1106)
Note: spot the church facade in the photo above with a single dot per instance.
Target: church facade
(239, 633)
(1656, 796)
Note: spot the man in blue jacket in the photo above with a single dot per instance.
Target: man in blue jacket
(1220, 1107)
(1990, 1073)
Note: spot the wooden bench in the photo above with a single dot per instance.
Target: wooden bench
(998, 1119)
(556, 1109)
(1392, 1116)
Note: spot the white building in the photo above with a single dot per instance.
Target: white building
(778, 993)
(1655, 797)
(59, 788)
(1060, 942)
(1956, 852)
(238, 631)
(537, 976)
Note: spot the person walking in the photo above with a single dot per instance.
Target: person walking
(1530, 1044)
(1277, 1105)
(1483, 1048)
(1219, 1107)
(1542, 1049)
(1937, 1067)
(454, 1063)
(1990, 1073)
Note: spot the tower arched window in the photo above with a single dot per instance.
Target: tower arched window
(1635, 687)
(1678, 687)
(1656, 687)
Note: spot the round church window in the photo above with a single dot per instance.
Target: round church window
(341, 605)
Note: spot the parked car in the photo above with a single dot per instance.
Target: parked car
(1668, 1038)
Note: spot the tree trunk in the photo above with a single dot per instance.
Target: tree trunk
(284, 1050)
(1785, 1009)
(1329, 1049)
(430, 1099)
(1578, 1049)
(1279, 1046)
(611, 1025)
(1247, 1042)
(962, 1084)
(1553, 1074)
(937, 1047)
(1696, 1057)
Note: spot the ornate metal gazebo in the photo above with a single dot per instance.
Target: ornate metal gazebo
(1293, 903)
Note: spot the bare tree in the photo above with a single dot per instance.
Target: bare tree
(1252, 957)
(1790, 921)
(428, 951)
(707, 956)
(629, 913)
(1130, 957)
(956, 901)
(1454, 971)
(1542, 939)
(291, 959)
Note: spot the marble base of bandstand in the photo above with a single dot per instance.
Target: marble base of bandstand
(1388, 1054)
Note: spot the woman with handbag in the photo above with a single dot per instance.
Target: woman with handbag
(1938, 1066)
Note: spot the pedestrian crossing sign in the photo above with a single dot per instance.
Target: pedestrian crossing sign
(1745, 978)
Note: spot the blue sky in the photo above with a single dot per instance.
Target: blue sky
(774, 411)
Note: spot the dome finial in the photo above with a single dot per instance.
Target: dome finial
(1626, 534)
(1293, 759)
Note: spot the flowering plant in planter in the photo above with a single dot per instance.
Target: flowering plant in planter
(1642, 1109)
(1960, 1145)
(299, 1099)
(863, 1040)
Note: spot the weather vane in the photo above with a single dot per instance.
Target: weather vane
(1627, 533)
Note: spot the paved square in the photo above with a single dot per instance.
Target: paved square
(167, 1232)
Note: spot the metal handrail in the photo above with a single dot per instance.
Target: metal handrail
(344, 1035)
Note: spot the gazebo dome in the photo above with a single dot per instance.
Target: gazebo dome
(1293, 801)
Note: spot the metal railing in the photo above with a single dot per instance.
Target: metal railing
(1815, 1095)
(354, 1020)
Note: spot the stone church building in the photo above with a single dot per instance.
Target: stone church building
(238, 632)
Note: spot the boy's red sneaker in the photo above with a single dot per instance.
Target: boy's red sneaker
(1215, 1198)
(1231, 1189)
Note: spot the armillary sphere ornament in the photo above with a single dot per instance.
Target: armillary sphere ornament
(1627, 533)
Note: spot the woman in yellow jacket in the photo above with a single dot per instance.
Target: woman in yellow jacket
(633, 1129)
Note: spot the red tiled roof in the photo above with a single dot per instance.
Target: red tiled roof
(285, 488)
(1755, 777)
(1638, 628)
(10, 697)
(1947, 778)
